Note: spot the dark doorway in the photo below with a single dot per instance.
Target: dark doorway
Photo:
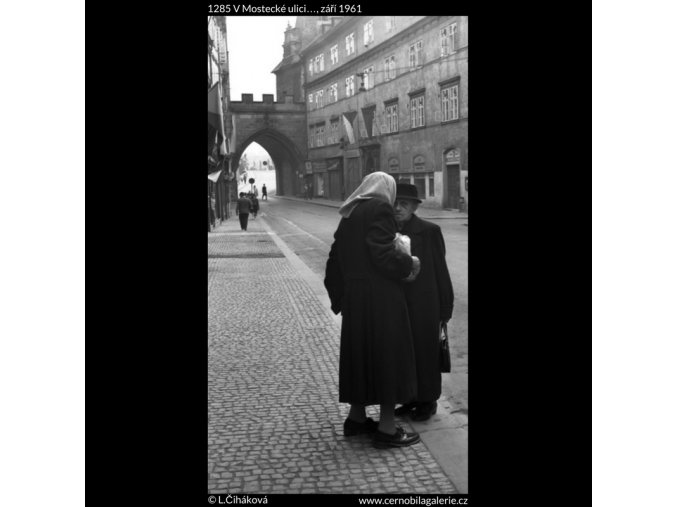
(334, 190)
(453, 186)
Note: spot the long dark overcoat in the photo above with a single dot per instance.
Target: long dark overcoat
(430, 299)
(363, 278)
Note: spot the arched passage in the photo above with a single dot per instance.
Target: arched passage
(280, 129)
(285, 155)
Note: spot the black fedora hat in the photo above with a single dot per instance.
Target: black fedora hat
(407, 191)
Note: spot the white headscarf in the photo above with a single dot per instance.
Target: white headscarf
(377, 185)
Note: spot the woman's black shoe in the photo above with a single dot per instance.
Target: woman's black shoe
(424, 411)
(400, 439)
(405, 409)
(351, 428)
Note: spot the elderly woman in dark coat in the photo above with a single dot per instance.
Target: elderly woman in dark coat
(364, 278)
(430, 299)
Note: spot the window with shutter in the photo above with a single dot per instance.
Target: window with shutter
(369, 77)
(417, 111)
(369, 32)
(449, 102)
(448, 43)
(416, 54)
(444, 41)
(393, 116)
(350, 86)
(320, 135)
(350, 44)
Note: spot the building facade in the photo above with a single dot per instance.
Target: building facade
(384, 93)
(218, 187)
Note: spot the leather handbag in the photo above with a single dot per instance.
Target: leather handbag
(445, 354)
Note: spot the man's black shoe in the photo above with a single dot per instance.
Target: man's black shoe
(400, 439)
(424, 411)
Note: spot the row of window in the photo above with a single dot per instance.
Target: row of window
(448, 38)
(316, 134)
(316, 64)
(389, 123)
(316, 98)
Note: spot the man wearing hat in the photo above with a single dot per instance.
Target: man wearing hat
(430, 300)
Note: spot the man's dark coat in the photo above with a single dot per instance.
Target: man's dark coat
(430, 299)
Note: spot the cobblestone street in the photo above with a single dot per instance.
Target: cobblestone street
(275, 424)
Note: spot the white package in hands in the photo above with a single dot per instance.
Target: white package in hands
(402, 243)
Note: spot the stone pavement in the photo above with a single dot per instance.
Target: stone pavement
(275, 424)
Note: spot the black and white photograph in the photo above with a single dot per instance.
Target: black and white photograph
(338, 219)
(338, 322)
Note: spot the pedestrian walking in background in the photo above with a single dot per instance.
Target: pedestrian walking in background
(242, 209)
(264, 193)
(430, 301)
(306, 191)
(255, 205)
(363, 277)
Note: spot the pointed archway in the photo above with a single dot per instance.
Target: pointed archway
(285, 155)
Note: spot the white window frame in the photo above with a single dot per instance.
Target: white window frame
(391, 114)
(334, 127)
(332, 93)
(415, 54)
(448, 40)
(311, 137)
(389, 64)
(350, 43)
(350, 86)
(319, 141)
(368, 82)
(417, 111)
(319, 98)
(390, 23)
(369, 32)
(449, 104)
(334, 54)
(310, 66)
